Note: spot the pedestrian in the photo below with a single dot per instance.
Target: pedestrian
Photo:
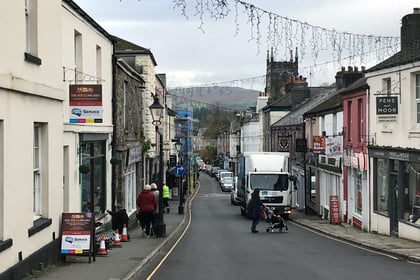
(155, 219)
(165, 195)
(255, 207)
(119, 218)
(147, 204)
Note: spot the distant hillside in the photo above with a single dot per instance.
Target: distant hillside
(227, 97)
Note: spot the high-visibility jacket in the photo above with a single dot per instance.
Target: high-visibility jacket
(165, 191)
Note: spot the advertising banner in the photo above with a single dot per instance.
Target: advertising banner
(85, 103)
(76, 233)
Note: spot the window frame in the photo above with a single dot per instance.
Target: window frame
(37, 171)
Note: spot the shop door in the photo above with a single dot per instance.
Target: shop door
(393, 209)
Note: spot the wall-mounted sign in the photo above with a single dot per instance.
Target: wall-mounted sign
(319, 144)
(134, 155)
(387, 105)
(85, 103)
(283, 142)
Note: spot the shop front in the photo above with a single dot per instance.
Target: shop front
(396, 191)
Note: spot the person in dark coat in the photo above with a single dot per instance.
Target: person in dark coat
(119, 218)
(147, 204)
(255, 209)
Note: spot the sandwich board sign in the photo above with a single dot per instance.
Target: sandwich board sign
(77, 234)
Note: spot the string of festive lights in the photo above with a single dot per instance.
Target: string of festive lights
(287, 33)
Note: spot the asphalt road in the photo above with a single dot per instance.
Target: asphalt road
(219, 245)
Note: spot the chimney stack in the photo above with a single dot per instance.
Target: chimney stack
(410, 30)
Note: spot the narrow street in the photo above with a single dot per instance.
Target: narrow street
(219, 245)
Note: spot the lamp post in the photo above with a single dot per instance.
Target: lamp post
(178, 146)
(156, 110)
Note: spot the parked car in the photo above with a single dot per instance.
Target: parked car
(218, 173)
(226, 183)
(234, 192)
(214, 171)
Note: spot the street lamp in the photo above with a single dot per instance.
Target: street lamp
(156, 110)
(178, 146)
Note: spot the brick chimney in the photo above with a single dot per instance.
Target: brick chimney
(345, 78)
(410, 30)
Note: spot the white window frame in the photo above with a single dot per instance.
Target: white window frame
(37, 170)
(78, 54)
(98, 63)
(386, 86)
(417, 97)
(31, 26)
(130, 187)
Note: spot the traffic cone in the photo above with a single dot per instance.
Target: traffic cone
(124, 236)
(102, 249)
(117, 241)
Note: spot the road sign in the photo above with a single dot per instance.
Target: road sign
(179, 170)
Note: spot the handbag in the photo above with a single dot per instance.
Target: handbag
(262, 214)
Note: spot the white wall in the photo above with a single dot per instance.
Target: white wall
(29, 93)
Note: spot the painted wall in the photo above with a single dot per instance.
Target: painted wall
(29, 93)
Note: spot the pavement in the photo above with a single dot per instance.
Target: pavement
(127, 262)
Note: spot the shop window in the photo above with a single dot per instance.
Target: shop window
(130, 187)
(414, 193)
(2, 210)
(381, 188)
(359, 194)
(312, 184)
(92, 155)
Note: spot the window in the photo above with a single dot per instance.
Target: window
(31, 30)
(359, 197)
(414, 192)
(418, 97)
(98, 63)
(1, 179)
(125, 118)
(382, 175)
(37, 170)
(349, 120)
(130, 187)
(93, 182)
(386, 86)
(78, 55)
(360, 121)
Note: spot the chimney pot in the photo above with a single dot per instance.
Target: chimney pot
(356, 69)
(350, 69)
(416, 10)
(363, 68)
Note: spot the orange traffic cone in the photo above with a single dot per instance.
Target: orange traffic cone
(102, 250)
(117, 241)
(124, 236)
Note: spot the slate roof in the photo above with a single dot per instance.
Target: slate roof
(125, 47)
(295, 117)
(402, 57)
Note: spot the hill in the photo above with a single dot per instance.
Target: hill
(234, 98)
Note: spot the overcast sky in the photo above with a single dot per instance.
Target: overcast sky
(226, 49)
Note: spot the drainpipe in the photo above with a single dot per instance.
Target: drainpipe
(368, 161)
(114, 137)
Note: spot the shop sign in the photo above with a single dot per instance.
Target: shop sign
(77, 233)
(334, 146)
(387, 105)
(134, 155)
(334, 210)
(318, 144)
(85, 103)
